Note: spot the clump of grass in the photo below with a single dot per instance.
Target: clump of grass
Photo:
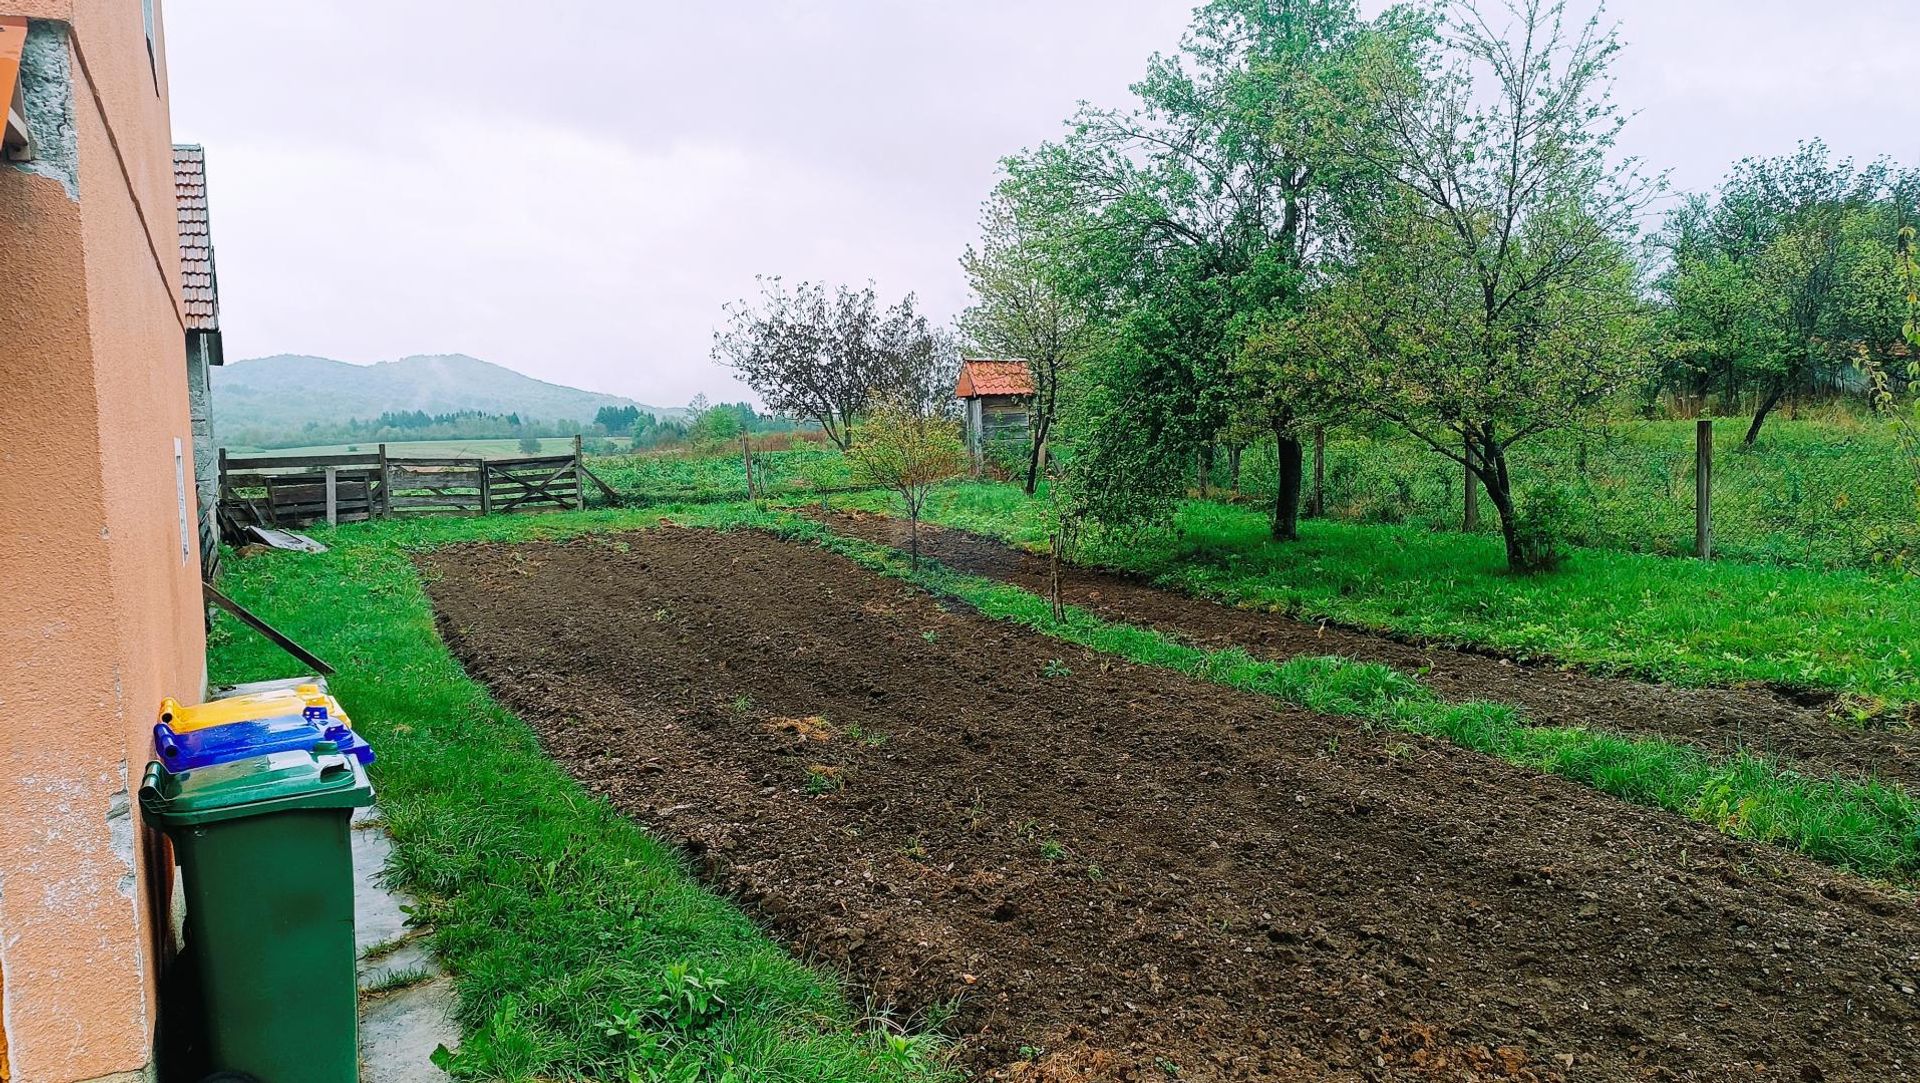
(398, 978)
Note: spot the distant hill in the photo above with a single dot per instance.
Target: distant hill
(270, 397)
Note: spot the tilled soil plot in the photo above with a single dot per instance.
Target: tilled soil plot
(1714, 719)
(1121, 873)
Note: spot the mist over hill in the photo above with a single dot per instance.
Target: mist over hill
(270, 400)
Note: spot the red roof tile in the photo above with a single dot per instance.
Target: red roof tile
(988, 376)
(199, 290)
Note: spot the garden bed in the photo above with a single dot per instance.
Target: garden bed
(1819, 739)
(1113, 871)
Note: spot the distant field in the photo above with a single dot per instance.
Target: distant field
(494, 449)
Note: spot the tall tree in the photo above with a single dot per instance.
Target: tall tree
(1496, 298)
(1021, 306)
(1199, 212)
(1783, 275)
(825, 355)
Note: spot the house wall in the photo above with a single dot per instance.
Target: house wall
(97, 531)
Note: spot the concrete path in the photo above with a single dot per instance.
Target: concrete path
(406, 1001)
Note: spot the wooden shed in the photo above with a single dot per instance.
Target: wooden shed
(997, 396)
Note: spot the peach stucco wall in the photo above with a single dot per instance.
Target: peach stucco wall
(102, 614)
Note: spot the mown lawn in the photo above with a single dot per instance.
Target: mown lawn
(1671, 619)
(581, 947)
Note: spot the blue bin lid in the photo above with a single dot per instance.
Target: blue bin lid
(259, 737)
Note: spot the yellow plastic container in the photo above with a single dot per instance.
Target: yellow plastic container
(278, 703)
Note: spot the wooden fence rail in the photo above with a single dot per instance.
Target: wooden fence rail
(296, 490)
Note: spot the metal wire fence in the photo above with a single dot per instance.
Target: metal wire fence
(1827, 494)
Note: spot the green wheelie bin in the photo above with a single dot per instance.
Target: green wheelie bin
(267, 869)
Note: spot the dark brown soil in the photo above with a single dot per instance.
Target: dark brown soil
(1714, 719)
(1115, 870)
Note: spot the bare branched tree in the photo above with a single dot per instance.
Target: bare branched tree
(824, 355)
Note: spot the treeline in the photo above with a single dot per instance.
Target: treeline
(709, 424)
(641, 430)
(402, 425)
(1306, 218)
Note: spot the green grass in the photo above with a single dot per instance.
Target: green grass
(1867, 826)
(582, 948)
(678, 476)
(1829, 493)
(1676, 620)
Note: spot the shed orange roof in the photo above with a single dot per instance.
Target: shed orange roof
(198, 289)
(981, 376)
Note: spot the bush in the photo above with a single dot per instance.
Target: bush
(1542, 520)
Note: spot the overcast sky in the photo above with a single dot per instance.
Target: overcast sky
(574, 193)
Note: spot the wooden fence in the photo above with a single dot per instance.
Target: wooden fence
(295, 490)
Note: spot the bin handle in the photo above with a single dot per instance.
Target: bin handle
(151, 799)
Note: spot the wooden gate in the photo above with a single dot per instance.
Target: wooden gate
(295, 490)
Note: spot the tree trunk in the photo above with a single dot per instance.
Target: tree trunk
(1233, 466)
(1286, 501)
(1204, 468)
(1491, 464)
(913, 538)
(1037, 454)
(1760, 416)
(1319, 505)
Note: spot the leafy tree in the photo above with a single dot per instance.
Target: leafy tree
(901, 445)
(1021, 308)
(716, 425)
(825, 355)
(529, 445)
(1198, 216)
(1785, 274)
(1494, 297)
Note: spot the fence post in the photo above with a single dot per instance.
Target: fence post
(386, 487)
(333, 496)
(486, 487)
(1703, 488)
(223, 495)
(746, 460)
(579, 476)
(1319, 505)
(1471, 523)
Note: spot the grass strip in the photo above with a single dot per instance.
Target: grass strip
(1678, 621)
(1867, 826)
(582, 948)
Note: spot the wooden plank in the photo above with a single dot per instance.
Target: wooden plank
(279, 638)
(386, 481)
(486, 489)
(579, 486)
(333, 496)
(276, 463)
(468, 461)
(406, 480)
(532, 460)
(403, 501)
(1703, 488)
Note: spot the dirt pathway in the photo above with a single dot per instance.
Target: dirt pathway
(1714, 719)
(1117, 872)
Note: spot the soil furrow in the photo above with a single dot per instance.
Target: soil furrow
(1716, 720)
